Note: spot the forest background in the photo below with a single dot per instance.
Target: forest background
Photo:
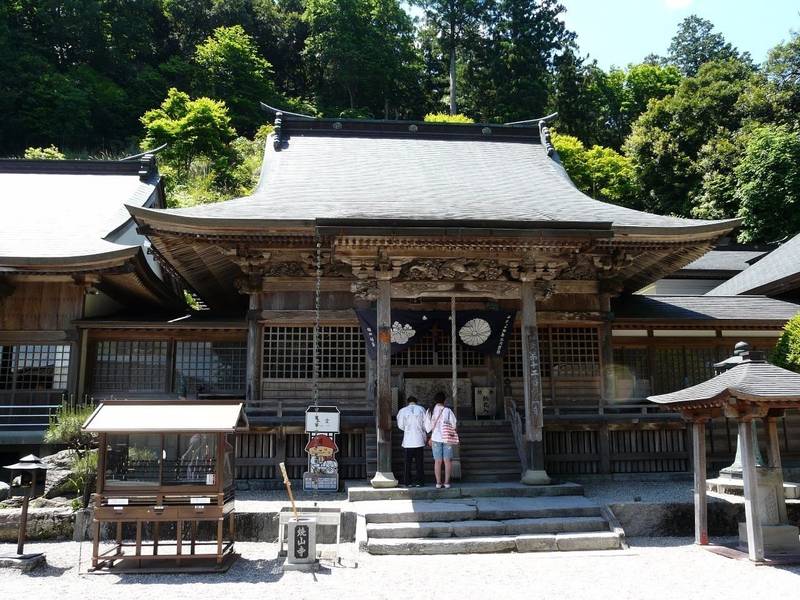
(702, 132)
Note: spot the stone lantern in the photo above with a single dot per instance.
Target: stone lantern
(28, 467)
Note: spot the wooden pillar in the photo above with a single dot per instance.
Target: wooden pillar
(774, 457)
(532, 387)
(383, 405)
(699, 467)
(254, 350)
(755, 540)
(607, 353)
(773, 443)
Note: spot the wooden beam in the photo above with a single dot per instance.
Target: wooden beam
(699, 467)
(755, 539)
(282, 317)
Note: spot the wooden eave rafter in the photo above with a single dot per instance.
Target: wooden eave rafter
(197, 248)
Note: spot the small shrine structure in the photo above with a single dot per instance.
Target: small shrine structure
(752, 389)
(161, 463)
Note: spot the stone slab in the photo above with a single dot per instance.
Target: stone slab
(24, 563)
(554, 525)
(495, 509)
(777, 538)
(412, 511)
(474, 545)
(600, 540)
(477, 527)
(471, 490)
(410, 530)
(536, 543)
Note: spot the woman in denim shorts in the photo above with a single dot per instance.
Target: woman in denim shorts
(442, 453)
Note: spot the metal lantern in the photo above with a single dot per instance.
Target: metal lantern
(31, 465)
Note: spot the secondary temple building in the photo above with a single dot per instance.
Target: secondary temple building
(377, 230)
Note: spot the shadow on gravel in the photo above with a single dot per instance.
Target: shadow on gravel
(659, 542)
(244, 570)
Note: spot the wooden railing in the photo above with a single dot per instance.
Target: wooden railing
(27, 410)
(518, 429)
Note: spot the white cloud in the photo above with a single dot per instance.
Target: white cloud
(677, 4)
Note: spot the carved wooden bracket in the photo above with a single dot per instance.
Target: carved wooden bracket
(365, 289)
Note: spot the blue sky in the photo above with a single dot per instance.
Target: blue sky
(619, 32)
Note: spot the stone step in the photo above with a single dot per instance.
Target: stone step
(464, 490)
(600, 540)
(477, 528)
(488, 508)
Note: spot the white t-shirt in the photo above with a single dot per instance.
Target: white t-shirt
(430, 419)
(411, 421)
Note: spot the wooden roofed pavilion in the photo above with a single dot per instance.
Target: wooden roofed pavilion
(752, 389)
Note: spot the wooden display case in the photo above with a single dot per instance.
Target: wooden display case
(166, 469)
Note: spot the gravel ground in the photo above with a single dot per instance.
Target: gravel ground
(617, 492)
(654, 568)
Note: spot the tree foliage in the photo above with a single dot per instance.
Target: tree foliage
(696, 43)
(602, 173)
(787, 350)
(447, 118)
(191, 129)
(768, 184)
(666, 140)
(230, 69)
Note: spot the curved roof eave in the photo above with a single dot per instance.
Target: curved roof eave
(198, 224)
(78, 262)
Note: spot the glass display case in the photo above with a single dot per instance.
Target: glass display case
(165, 462)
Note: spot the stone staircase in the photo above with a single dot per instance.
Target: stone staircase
(480, 518)
(487, 451)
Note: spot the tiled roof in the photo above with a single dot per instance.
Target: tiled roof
(775, 273)
(725, 260)
(703, 308)
(67, 210)
(758, 381)
(400, 172)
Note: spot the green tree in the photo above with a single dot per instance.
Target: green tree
(716, 164)
(768, 184)
(453, 21)
(230, 69)
(365, 48)
(191, 129)
(602, 173)
(49, 153)
(666, 140)
(787, 350)
(447, 118)
(526, 37)
(696, 43)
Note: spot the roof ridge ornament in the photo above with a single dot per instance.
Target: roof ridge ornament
(278, 132)
(544, 134)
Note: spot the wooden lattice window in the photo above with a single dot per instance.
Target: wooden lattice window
(632, 373)
(130, 366)
(210, 367)
(512, 360)
(289, 353)
(681, 366)
(420, 354)
(34, 367)
(433, 350)
(575, 351)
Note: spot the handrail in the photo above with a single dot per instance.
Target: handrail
(512, 416)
